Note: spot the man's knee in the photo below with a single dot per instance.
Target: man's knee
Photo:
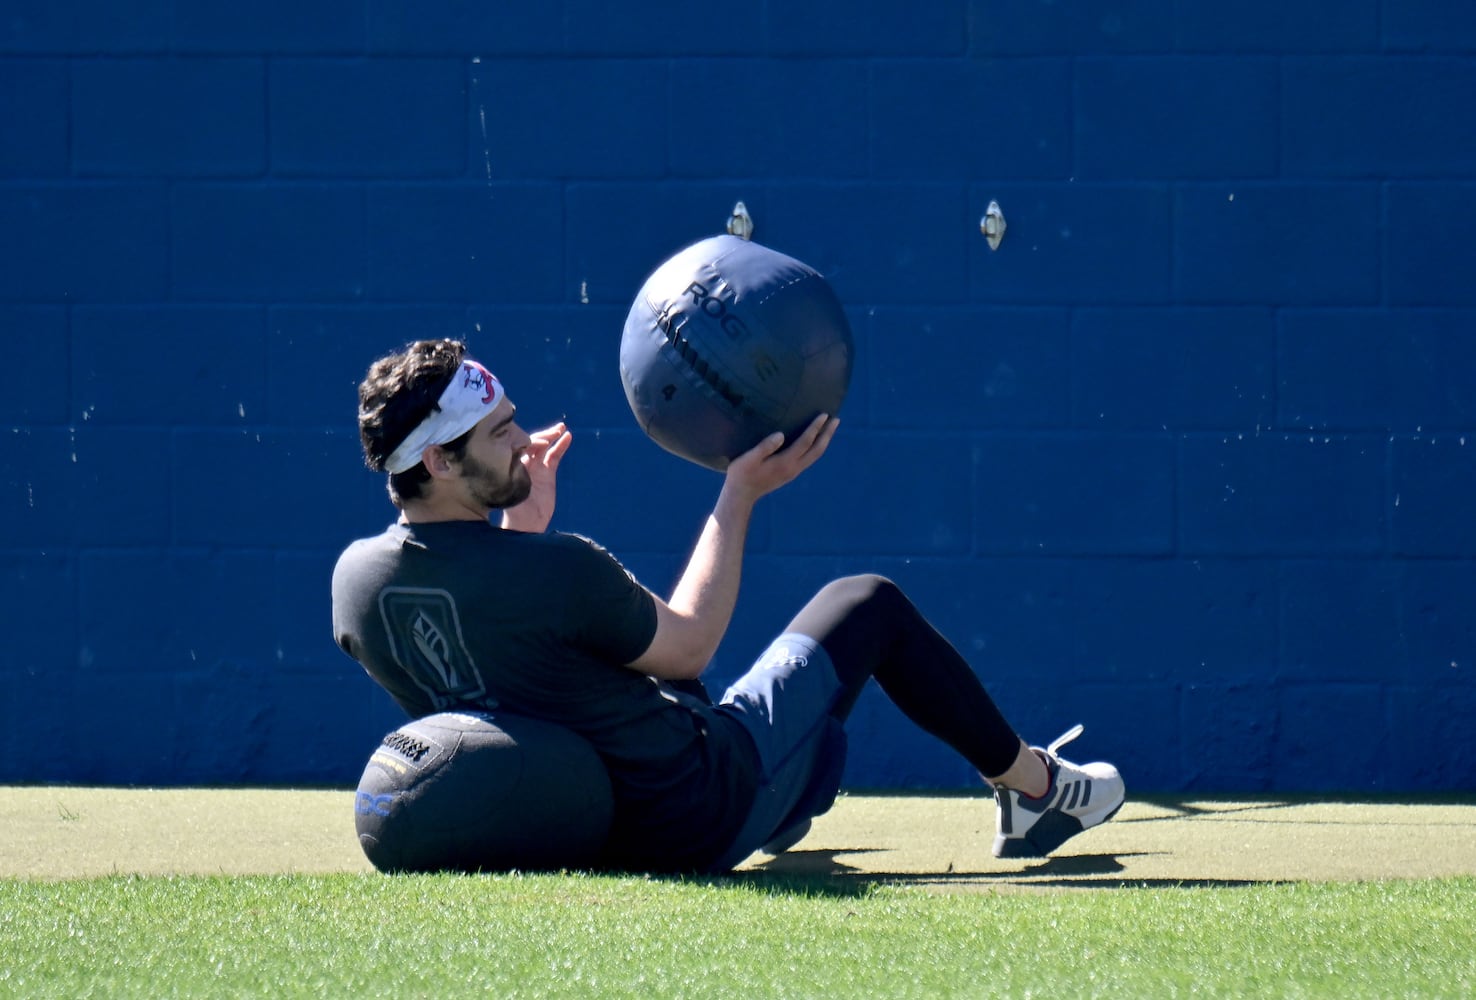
(863, 589)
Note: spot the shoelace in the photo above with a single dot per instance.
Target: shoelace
(1065, 738)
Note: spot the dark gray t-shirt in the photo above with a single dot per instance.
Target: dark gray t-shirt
(465, 614)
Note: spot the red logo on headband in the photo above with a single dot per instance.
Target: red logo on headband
(474, 374)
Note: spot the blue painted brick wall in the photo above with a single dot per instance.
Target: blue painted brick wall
(1186, 459)
(1288, 243)
(33, 118)
(723, 123)
(1281, 28)
(1428, 221)
(255, 242)
(1367, 116)
(198, 117)
(1001, 119)
(1220, 111)
(1076, 27)
(1079, 244)
(35, 393)
(463, 26)
(84, 241)
(383, 117)
(439, 242)
(1428, 26)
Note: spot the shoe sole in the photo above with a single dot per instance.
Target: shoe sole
(1050, 832)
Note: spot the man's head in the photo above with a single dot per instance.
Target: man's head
(421, 408)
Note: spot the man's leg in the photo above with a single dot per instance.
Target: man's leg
(869, 628)
(785, 702)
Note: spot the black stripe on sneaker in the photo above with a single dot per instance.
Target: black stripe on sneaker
(1086, 794)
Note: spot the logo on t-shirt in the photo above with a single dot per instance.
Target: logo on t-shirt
(425, 636)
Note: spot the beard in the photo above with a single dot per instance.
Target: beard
(498, 492)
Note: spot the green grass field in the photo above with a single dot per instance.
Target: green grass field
(582, 936)
(262, 893)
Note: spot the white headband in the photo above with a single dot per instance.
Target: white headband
(472, 394)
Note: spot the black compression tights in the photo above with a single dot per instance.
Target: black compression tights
(871, 629)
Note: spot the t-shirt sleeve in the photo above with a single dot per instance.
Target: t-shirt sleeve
(615, 615)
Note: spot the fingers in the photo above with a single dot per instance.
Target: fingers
(803, 442)
(548, 445)
(823, 439)
(817, 435)
(549, 434)
(557, 449)
(770, 464)
(769, 445)
(811, 442)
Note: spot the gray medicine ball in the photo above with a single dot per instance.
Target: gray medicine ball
(464, 791)
(729, 341)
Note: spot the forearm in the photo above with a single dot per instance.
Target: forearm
(690, 626)
(707, 592)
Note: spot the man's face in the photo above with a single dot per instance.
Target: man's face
(492, 468)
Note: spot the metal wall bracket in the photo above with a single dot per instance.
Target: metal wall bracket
(740, 223)
(993, 225)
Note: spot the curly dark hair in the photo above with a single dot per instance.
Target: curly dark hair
(400, 391)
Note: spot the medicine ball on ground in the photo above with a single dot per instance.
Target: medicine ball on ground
(464, 791)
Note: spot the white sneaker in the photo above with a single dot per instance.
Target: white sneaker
(1080, 797)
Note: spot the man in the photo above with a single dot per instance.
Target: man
(446, 610)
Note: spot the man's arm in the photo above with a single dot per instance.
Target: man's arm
(691, 624)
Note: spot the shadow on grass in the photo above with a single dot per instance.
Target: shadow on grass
(1214, 800)
(1209, 810)
(858, 871)
(1263, 810)
(822, 873)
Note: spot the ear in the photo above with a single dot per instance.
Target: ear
(437, 462)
